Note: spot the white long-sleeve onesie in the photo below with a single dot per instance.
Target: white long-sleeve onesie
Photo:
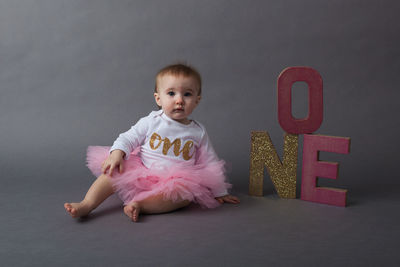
(164, 141)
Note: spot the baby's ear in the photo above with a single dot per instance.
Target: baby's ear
(198, 99)
(157, 99)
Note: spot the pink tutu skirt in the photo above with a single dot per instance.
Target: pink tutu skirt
(176, 183)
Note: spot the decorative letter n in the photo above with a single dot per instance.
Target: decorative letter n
(263, 154)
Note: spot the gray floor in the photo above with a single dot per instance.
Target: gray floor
(261, 231)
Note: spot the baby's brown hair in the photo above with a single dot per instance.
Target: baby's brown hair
(179, 69)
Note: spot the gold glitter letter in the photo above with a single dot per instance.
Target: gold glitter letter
(167, 145)
(155, 137)
(186, 150)
(263, 153)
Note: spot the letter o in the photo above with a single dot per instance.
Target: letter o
(313, 121)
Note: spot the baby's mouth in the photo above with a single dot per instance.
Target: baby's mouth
(178, 110)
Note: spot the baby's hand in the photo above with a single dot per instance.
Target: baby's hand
(228, 199)
(114, 160)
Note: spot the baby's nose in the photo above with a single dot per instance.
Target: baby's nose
(179, 99)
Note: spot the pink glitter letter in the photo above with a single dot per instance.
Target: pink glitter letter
(314, 118)
(313, 168)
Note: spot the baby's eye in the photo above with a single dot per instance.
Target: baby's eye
(188, 94)
(171, 93)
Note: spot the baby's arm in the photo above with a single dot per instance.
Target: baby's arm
(114, 161)
(206, 155)
(131, 139)
(124, 145)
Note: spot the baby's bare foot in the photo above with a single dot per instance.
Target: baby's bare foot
(77, 209)
(132, 210)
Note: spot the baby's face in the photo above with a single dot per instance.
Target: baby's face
(177, 96)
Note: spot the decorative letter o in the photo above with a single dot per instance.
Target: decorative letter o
(315, 100)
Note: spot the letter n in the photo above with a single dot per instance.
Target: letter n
(263, 154)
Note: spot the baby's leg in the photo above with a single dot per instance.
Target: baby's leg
(152, 205)
(100, 190)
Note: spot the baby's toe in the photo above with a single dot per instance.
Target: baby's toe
(135, 216)
(73, 212)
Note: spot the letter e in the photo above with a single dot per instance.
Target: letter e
(312, 168)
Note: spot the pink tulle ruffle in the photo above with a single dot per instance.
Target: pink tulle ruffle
(194, 183)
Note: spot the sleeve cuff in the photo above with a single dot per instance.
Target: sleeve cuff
(220, 193)
(127, 154)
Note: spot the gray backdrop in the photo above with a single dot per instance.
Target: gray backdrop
(77, 73)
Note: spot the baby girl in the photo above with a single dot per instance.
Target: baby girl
(165, 161)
